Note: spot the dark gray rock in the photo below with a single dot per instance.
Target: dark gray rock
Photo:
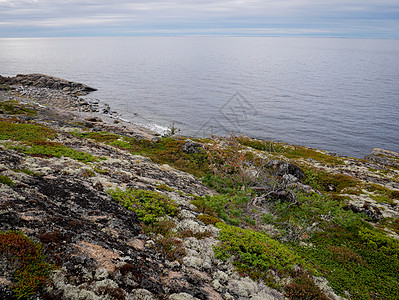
(45, 81)
(286, 168)
(191, 147)
(384, 157)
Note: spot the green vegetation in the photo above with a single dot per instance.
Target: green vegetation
(164, 187)
(229, 208)
(382, 194)
(12, 107)
(148, 205)
(336, 243)
(208, 219)
(254, 253)
(27, 172)
(10, 130)
(6, 180)
(289, 151)
(35, 141)
(27, 258)
(327, 182)
(164, 150)
(50, 149)
(303, 287)
(360, 260)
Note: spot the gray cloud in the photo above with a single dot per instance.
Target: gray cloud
(234, 17)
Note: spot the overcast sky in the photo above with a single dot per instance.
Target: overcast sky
(327, 18)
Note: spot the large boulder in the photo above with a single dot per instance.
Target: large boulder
(283, 168)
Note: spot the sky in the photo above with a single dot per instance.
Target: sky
(314, 18)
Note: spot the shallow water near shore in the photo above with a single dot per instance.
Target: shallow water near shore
(339, 95)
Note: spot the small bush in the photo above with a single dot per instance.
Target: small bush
(26, 256)
(208, 219)
(148, 205)
(228, 208)
(172, 247)
(303, 287)
(254, 253)
(162, 227)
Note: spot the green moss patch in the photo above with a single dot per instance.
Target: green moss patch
(27, 258)
(148, 205)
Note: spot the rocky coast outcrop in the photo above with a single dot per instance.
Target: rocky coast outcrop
(45, 81)
(61, 172)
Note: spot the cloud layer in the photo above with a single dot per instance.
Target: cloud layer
(352, 18)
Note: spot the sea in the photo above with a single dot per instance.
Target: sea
(338, 95)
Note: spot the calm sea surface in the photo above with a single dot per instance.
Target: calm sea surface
(339, 95)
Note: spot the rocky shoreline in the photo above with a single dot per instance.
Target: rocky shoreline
(103, 250)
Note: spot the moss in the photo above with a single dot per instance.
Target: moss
(148, 205)
(100, 136)
(382, 194)
(27, 172)
(27, 258)
(162, 151)
(390, 223)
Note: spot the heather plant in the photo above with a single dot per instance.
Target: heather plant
(27, 258)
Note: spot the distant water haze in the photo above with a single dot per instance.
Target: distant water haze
(339, 95)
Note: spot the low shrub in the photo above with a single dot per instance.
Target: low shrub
(303, 287)
(148, 205)
(27, 258)
(228, 208)
(254, 253)
(50, 149)
(24, 131)
(208, 219)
